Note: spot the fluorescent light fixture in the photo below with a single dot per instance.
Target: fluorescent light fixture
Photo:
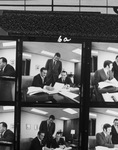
(112, 112)
(70, 111)
(112, 49)
(92, 115)
(47, 53)
(39, 111)
(8, 107)
(27, 55)
(77, 51)
(64, 118)
(9, 44)
(94, 52)
(74, 60)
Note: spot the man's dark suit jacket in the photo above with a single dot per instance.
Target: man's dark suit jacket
(67, 81)
(56, 144)
(37, 81)
(8, 136)
(114, 135)
(53, 71)
(115, 70)
(8, 71)
(101, 140)
(44, 128)
(36, 145)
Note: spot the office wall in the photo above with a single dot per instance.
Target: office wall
(38, 61)
(33, 120)
(101, 120)
(102, 56)
(8, 118)
(10, 55)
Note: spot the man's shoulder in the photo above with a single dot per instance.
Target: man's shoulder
(9, 131)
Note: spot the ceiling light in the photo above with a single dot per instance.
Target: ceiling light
(8, 107)
(77, 51)
(27, 55)
(92, 115)
(47, 53)
(9, 44)
(112, 112)
(70, 111)
(64, 118)
(112, 49)
(39, 111)
(74, 60)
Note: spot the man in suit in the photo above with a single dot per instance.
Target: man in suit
(48, 127)
(6, 134)
(105, 73)
(6, 69)
(104, 138)
(38, 143)
(40, 79)
(114, 131)
(54, 68)
(65, 79)
(115, 68)
(58, 141)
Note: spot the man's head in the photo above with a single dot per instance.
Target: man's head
(41, 135)
(57, 56)
(58, 136)
(51, 118)
(115, 121)
(3, 127)
(63, 75)
(108, 65)
(43, 72)
(107, 129)
(3, 62)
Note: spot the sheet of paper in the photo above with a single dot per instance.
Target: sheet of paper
(33, 90)
(107, 97)
(105, 148)
(58, 86)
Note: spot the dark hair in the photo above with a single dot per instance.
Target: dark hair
(3, 59)
(58, 55)
(3, 124)
(116, 119)
(43, 68)
(116, 56)
(39, 132)
(52, 116)
(106, 126)
(107, 63)
(64, 72)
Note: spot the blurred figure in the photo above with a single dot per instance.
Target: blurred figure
(114, 131)
(65, 79)
(48, 127)
(58, 141)
(6, 69)
(54, 68)
(115, 68)
(6, 134)
(40, 79)
(104, 138)
(105, 73)
(38, 143)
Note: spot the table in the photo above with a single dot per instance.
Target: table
(53, 98)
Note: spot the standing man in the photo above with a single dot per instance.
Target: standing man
(114, 131)
(6, 69)
(37, 142)
(115, 68)
(48, 127)
(6, 134)
(54, 68)
(40, 79)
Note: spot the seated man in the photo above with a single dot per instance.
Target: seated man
(58, 141)
(6, 69)
(6, 134)
(64, 79)
(40, 79)
(104, 138)
(37, 143)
